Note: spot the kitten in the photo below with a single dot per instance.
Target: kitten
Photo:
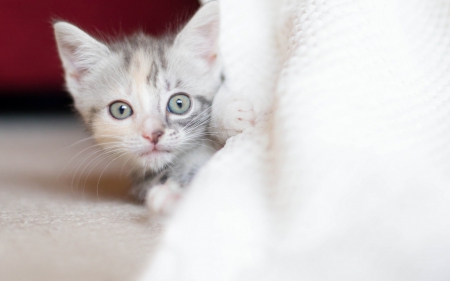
(148, 99)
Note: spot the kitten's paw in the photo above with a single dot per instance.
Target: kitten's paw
(163, 198)
(239, 115)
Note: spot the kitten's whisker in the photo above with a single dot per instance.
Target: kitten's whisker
(182, 150)
(200, 114)
(104, 169)
(75, 143)
(90, 147)
(80, 163)
(67, 163)
(85, 139)
(129, 172)
(87, 166)
(204, 115)
(123, 166)
(201, 144)
(196, 135)
(199, 137)
(197, 124)
(102, 152)
(102, 157)
(199, 133)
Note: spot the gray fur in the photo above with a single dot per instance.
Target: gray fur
(145, 72)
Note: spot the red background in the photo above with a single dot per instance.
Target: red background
(29, 61)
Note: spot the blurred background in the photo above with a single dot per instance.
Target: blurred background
(31, 79)
(65, 213)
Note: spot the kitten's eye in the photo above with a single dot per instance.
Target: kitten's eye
(179, 104)
(120, 110)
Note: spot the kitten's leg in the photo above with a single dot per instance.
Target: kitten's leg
(239, 115)
(232, 119)
(162, 198)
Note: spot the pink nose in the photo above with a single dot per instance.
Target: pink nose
(154, 136)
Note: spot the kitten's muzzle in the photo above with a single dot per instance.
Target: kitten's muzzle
(154, 136)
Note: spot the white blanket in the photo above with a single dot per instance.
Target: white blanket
(351, 180)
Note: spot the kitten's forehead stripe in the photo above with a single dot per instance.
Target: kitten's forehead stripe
(162, 56)
(153, 75)
(130, 45)
(127, 57)
(167, 85)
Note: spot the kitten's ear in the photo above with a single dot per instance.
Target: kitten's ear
(201, 34)
(78, 51)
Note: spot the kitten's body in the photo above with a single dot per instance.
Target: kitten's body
(128, 91)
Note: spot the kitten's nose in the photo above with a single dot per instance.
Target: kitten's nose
(154, 136)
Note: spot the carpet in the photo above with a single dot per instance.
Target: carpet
(60, 223)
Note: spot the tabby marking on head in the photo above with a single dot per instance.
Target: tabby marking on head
(147, 98)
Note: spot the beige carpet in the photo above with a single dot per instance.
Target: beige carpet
(67, 227)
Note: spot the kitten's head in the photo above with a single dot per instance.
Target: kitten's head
(143, 97)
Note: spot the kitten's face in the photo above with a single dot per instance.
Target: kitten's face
(147, 99)
(151, 105)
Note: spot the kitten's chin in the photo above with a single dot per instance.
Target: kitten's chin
(155, 159)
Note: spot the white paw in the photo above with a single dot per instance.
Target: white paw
(163, 198)
(239, 115)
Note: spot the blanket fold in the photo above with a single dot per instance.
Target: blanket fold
(346, 174)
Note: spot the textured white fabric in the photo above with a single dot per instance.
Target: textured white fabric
(351, 180)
